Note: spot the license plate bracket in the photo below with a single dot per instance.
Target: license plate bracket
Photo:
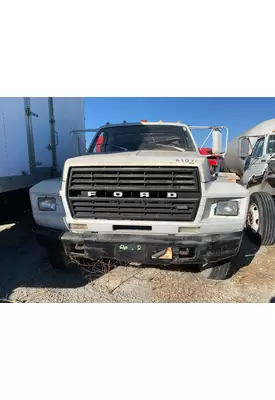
(131, 251)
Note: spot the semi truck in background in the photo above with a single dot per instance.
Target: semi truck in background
(142, 194)
(35, 141)
(251, 156)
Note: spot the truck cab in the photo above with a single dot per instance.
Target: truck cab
(260, 154)
(143, 193)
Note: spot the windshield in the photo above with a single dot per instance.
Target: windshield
(258, 148)
(271, 144)
(139, 137)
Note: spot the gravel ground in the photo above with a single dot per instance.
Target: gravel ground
(25, 276)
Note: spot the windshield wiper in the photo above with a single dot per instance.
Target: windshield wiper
(152, 146)
(170, 146)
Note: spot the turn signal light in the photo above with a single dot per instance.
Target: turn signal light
(78, 226)
(190, 230)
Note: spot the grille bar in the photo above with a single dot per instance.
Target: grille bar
(185, 179)
(137, 217)
(103, 181)
(103, 202)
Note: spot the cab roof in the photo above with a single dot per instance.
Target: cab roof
(144, 123)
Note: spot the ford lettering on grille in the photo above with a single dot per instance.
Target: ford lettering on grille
(141, 194)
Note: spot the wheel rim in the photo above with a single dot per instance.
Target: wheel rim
(252, 221)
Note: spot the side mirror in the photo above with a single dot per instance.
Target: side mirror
(216, 141)
(245, 147)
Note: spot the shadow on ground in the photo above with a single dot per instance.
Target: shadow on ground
(246, 254)
(23, 262)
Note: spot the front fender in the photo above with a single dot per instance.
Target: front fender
(268, 184)
(221, 189)
(48, 219)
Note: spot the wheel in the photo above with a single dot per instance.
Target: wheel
(260, 223)
(219, 271)
(59, 260)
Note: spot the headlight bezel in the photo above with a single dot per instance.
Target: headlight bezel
(44, 199)
(222, 204)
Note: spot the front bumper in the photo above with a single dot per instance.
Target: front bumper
(164, 249)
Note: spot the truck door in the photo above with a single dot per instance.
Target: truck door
(40, 121)
(255, 164)
(270, 147)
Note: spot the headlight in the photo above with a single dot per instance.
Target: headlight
(46, 203)
(227, 208)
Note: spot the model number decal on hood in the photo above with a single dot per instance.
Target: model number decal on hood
(185, 160)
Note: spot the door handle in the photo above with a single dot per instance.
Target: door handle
(57, 139)
(50, 147)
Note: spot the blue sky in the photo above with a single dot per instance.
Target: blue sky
(236, 113)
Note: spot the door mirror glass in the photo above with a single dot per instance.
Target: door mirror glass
(245, 147)
(216, 141)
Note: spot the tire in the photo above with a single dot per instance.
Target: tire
(260, 223)
(219, 271)
(59, 260)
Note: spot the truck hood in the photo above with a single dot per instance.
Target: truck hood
(142, 158)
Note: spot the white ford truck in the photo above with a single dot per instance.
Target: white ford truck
(142, 194)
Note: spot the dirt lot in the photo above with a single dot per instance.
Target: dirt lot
(25, 276)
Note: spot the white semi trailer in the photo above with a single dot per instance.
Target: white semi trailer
(35, 141)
